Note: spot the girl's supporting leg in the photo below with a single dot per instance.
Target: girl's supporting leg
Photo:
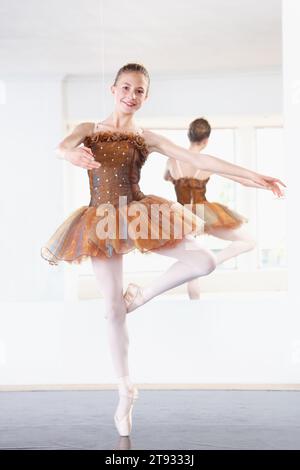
(109, 276)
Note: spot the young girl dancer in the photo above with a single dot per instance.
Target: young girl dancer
(190, 187)
(113, 154)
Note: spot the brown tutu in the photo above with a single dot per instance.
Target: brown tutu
(78, 238)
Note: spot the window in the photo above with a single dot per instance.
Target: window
(271, 212)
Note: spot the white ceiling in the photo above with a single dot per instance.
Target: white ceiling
(182, 36)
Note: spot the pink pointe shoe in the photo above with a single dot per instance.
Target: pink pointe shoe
(124, 425)
(133, 297)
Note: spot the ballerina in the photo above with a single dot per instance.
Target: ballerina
(220, 221)
(113, 153)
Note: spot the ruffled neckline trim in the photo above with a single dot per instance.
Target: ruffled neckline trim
(115, 136)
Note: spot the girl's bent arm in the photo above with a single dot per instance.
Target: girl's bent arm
(74, 139)
(69, 149)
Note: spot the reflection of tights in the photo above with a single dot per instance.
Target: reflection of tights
(241, 243)
(193, 260)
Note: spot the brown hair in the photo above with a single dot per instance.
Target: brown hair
(132, 67)
(199, 129)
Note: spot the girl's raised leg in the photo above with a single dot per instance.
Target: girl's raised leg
(193, 260)
(241, 243)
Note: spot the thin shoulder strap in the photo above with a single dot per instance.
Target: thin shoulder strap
(98, 124)
(179, 168)
(195, 175)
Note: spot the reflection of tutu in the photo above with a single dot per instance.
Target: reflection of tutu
(90, 231)
(217, 215)
(192, 191)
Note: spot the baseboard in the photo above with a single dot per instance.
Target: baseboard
(226, 282)
(142, 386)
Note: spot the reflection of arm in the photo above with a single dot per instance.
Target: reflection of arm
(167, 174)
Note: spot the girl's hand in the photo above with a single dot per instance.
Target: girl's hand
(271, 183)
(276, 189)
(81, 156)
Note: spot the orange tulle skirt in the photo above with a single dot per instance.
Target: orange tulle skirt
(106, 230)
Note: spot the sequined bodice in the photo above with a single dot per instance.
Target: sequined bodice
(190, 190)
(121, 156)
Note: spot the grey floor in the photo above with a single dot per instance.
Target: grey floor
(162, 419)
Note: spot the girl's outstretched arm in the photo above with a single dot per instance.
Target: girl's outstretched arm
(274, 187)
(163, 145)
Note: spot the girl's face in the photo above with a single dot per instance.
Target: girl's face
(130, 91)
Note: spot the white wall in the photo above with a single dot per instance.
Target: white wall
(291, 70)
(31, 187)
(213, 341)
(227, 94)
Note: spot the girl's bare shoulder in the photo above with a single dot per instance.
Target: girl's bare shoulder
(84, 129)
(78, 134)
(152, 139)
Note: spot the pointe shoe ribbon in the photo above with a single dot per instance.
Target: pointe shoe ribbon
(124, 424)
(133, 297)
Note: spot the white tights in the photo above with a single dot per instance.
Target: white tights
(241, 243)
(193, 261)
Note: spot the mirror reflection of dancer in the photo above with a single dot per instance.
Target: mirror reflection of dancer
(190, 187)
(113, 154)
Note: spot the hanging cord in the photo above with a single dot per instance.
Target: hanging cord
(103, 107)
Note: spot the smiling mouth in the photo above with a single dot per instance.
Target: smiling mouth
(129, 105)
